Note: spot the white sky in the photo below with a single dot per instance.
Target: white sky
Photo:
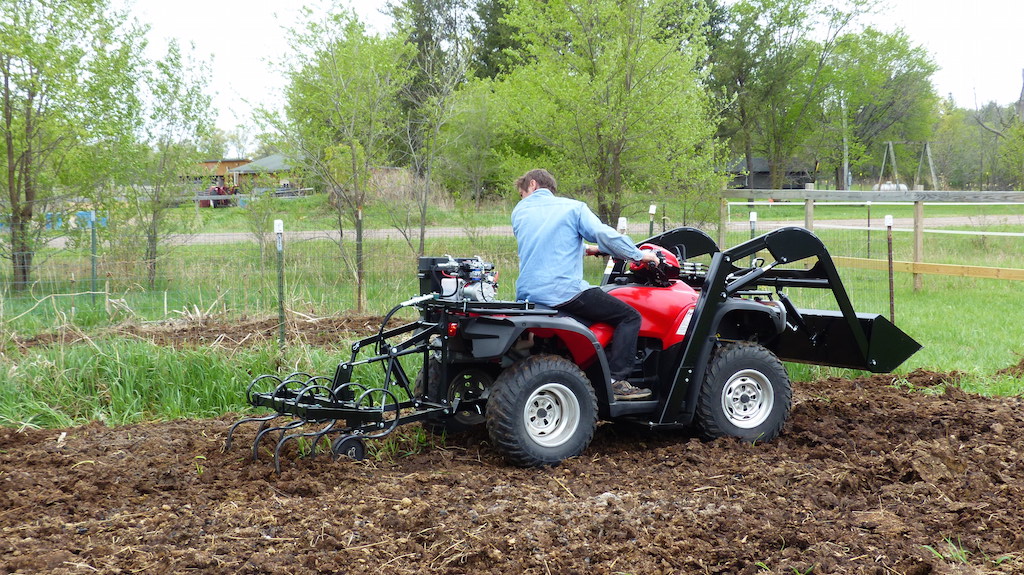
(977, 44)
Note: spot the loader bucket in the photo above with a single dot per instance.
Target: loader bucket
(827, 339)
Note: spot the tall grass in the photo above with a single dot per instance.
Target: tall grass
(120, 381)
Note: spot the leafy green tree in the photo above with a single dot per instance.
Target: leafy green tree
(343, 104)
(773, 65)
(471, 161)
(61, 63)
(177, 118)
(881, 91)
(438, 28)
(608, 99)
(956, 152)
(1011, 154)
(968, 150)
(494, 40)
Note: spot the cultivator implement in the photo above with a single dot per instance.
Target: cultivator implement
(307, 409)
(336, 406)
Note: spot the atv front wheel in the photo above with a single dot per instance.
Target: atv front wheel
(467, 386)
(746, 394)
(541, 410)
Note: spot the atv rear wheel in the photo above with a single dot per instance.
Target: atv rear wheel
(467, 385)
(746, 394)
(541, 410)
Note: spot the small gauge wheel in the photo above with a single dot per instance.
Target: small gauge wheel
(348, 446)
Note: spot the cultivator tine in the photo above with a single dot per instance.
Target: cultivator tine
(231, 431)
(282, 428)
(286, 438)
(320, 435)
(336, 404)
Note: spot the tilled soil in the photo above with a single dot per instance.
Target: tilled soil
(871, 475)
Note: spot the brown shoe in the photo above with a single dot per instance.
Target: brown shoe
(625, 391)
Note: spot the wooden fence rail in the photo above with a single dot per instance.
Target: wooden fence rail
(932, 269)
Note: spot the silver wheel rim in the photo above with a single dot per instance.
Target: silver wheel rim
(748, 398)
(552, 414)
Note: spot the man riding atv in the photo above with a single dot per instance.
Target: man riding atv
(550, 232)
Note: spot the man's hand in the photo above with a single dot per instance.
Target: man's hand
(593, 251)
(650, 257)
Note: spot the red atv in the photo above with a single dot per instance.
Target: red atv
(710, 348)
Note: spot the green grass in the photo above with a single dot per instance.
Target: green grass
(965, 325)
(120, 381)
(313, 212)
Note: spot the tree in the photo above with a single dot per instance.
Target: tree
(774, 64)
(1011, 154)
(608, 99)
(968, 154)
(342, 104)
(177, 120)
(471, 161)
(60, 63)
(494, 40)
(881, 91)
(438, 28)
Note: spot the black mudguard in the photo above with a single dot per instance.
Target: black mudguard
(492, 337)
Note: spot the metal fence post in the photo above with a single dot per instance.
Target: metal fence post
(279, 231)
(892, 292)
(918, 238)
(92, 230)
(869, 228)
(753, 233)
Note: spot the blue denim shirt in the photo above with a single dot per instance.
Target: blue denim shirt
(550, 231)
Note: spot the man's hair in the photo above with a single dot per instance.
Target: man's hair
(540, 175)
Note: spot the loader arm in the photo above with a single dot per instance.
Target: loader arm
(840, 338)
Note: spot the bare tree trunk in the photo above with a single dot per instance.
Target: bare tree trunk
(21, 253)
(152, 239)
(19, 182)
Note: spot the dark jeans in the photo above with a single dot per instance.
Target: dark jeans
(596, 306)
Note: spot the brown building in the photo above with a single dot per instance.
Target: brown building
(217, 172)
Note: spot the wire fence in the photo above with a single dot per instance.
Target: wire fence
(228, 276)
(88, 283)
